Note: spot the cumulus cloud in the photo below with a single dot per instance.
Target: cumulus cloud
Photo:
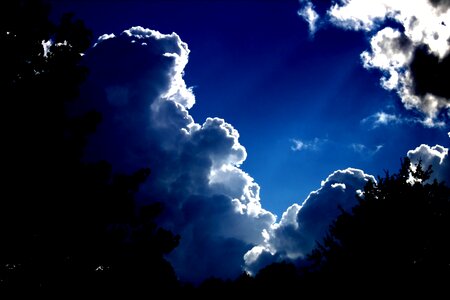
(301, 226)
(413, 54)
(436, 156)
(136, 82)
(295, 235)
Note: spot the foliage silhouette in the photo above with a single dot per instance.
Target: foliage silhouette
(396, 239)
(66, 226)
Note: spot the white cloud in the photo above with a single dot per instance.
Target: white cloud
(364, 150)
(297, 145)
(382, 118)
(308, 13)
(46, 46)
(295, 235)
(358, 147)
(313, 145)
(341, 186)
(104, 37)
(136, 82)
(360, 15)
(378, 148)
(436, 156)
(302, 225)
(390, 52)
(422, 22)
(399, 54)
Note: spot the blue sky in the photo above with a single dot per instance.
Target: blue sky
(302, 102)
(255, 64)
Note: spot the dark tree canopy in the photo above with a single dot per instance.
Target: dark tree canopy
(397, 237)
(396, 241)
(66, 226)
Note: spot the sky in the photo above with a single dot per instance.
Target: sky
(245, 109)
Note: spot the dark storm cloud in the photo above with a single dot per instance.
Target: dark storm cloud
(136, 82)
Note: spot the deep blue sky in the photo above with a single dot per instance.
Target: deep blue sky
(254, 64)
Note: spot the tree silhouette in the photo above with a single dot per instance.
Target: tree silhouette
(396, 239)
(36, 83)
(277, 276)
(66, 226)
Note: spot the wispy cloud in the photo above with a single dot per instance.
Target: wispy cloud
(382, 118)
(313, 145)
(364, 150)
(308, 13)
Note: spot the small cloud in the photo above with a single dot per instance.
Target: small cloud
(314, 145)
(342, 186)
(358, 147)
(104, 37)
(46, 46)
(378, 148)
(382, 118)
(308, 13)
(364, 150)
(297, 145)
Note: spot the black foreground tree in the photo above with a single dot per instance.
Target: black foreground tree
(396, 239)
(65, 226)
